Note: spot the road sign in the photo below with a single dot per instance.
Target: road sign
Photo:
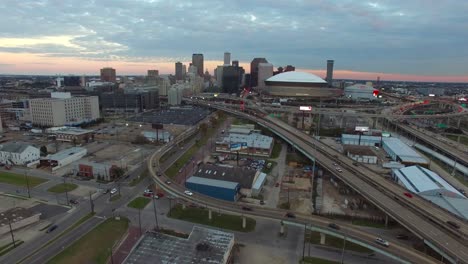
(238, 146)
(305, 108)
(157, 126)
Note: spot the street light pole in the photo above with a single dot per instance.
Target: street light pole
(11, 232)
(27, 183)
(66, 191)
(139, 219)
(343, 250)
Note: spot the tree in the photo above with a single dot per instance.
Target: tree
(140, 139)
(43, 151)
(203, 128)
(117, 172)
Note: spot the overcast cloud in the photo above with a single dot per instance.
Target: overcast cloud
(394, 36)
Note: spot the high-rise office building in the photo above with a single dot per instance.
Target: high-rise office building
(329, 72)
(254, 70)
(153, 73)
(197, 61)
(178, 71)
(230, 79)
(108, 75)
(227, 58)
(265, 71)
(184, 71)
(71, 81)
(235, 63)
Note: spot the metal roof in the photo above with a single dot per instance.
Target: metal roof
(66, 153)
(259, 181)
(213, 182)
(421, 180)
(242, 176)
(403, 151)
(204, 246)
(15, 147)
(295, 76)
(253, 140)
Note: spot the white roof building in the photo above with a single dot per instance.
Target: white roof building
(432, 187)
(297, 77)
(18, 153)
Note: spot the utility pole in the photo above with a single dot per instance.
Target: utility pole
(139, 219)
(11, 232)
(303, 244)
(27, 183)
(66, 191)
(155, 213)
(343, 250)
(111, 255)
(91, 203)
(118, 186)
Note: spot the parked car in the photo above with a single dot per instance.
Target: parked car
(148, 194)
(52, 228)
(407, 194)
(402, 236)
(262, 202)
(453, 224)
(356, 164)
(168, 182)
(106, 191)
(290, 215)
(189, 193)
(160, 194)
(246, 208)
(148, 191)
(334, 226)
(382, 242)
(73, 201)
(114, 190)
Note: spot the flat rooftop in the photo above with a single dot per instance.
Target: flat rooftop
(213, 182)
(359, 150)
(74, 131)
(203, 246)
(65, 153)
(403, 151)
(242, 176)
(253, 140)
(187, 116)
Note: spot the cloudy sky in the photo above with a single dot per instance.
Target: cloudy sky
(393, 39)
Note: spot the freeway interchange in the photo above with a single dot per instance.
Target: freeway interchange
(425, 220)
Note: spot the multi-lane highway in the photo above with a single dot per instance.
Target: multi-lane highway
(400, 252)
(418, 215)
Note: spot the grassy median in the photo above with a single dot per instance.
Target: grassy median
(20, 180)
(95, 246)
(331, 241)
(139, 202)
(314, 260)
(200, 216)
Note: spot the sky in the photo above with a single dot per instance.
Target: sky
(413, 40)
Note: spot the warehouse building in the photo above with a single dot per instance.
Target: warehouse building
(203, 246)
(72, 134)
(257, 144)
(100, 171)
(403, 153)
(432, 187)
(362, 140)
(361, 154)
(219, 189)
(361, 92)
(63, 158)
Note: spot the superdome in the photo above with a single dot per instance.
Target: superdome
(296, 77)
(299, 84)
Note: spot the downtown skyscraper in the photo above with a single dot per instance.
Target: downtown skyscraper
(197, 61)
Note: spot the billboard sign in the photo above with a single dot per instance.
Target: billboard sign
(238, 146)
(305, 108)
(157, 126)
(361, 128)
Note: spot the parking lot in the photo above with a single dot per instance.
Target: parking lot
(187, 116)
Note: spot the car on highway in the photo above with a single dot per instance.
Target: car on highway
(73, 201)
(159, 174)
(407, 194)
(189, 193)
(334, 226)
(168, 182)
(334, 164)
(382, 242)
(114, 190)
(356, 164)
(246, 208)
(290, 215)
(52, 228)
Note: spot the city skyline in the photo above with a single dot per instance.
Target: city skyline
(397, 40)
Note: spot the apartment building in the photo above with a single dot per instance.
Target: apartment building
(62, 109)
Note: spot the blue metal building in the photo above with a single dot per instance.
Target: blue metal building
(224, 190)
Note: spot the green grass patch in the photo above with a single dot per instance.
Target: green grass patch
(200, 216)
(137, 180)
(240, 121)
(62, 187)
(276, 150)
(7, 248)
(115, 197)
(20, 180)
(369, 223)
(139, 202)
(285, 205)
(331, 241)
(314, 260)
(94, 247)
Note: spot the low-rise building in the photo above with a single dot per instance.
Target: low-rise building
(403, 153)
(360, 154)
(73, 134)
(255, 144)
(219, 189)
(18, 153)
(63, 158)
(203, 246)
(100, 171)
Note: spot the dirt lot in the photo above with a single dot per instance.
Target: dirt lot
(296, 188)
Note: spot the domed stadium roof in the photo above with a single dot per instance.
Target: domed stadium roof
(294, 76)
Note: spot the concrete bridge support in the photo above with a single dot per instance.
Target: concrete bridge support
(209, 214)
(183, 206)
(322, 238)
(244, 222)
(458, 122)
(374, 122)
(386, 221)
(282, 228)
